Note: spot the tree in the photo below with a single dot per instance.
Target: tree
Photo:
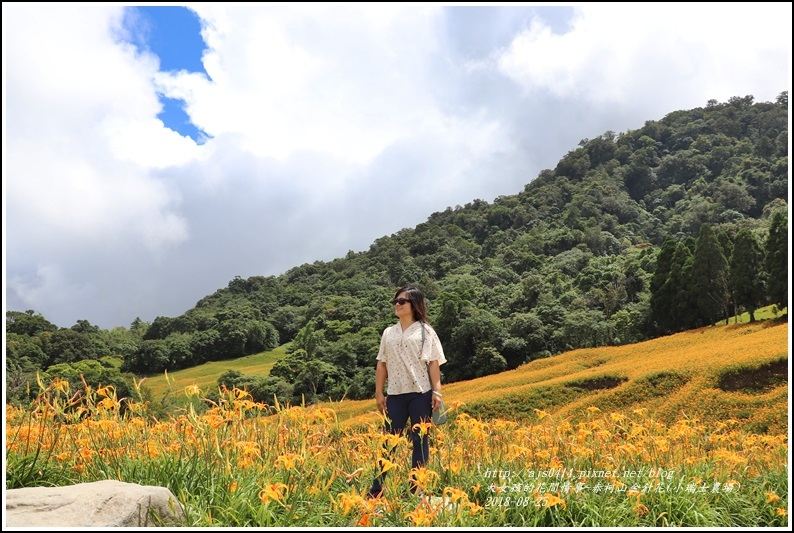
(682, 313)
(447, 319)
(24, 358)
(269, 390)
(159, 329)
(661, 291)
(746, 267)
(84, 326)
(261, 336)
(732, 195)
(309, 339)
(180, 355)
(315, 377)
(477, 330)
(529, 328)
(487, 360)
(204, 345)
(139, 327)
(151, 358)
(289, 366)
(709, 267)
(776, 260)
(233, 336)
(27, 323)
(93, 374)
(68, 346)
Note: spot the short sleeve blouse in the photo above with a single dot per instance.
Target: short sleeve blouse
(406, 357)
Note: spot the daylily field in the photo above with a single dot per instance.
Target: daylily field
(602, 437)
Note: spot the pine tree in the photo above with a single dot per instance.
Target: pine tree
(661, 296)
(709, 279)
(746, 267)
(684, 309)
(776, 261)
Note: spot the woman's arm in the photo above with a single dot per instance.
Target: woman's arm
(435, 382)
(380, 380)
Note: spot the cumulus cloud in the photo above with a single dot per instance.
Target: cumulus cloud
(655, 52)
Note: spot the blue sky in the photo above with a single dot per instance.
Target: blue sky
(152, 154)
(173, 34)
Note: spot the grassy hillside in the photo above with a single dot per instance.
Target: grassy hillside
(712, 374)
(206, 376)
(765, 313)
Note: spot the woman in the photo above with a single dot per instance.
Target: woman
(410, 359)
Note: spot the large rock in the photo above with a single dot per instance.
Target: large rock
(106, 503)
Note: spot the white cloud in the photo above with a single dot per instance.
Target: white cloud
(668, 53)
(82, 134)
(340, 81)
(49, 283)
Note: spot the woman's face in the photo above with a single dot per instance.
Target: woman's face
(403, 309)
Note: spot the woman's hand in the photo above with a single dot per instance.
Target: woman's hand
(381, 373)
(436, 402)
(380, 401)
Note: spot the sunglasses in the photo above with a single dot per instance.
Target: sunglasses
(401, 301)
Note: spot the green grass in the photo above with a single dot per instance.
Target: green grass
(764, 313)
(206, 376)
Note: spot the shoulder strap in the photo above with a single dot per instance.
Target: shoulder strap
(422, 325)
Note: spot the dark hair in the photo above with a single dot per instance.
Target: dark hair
(417, 302)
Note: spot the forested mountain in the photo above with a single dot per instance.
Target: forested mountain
(675, 225)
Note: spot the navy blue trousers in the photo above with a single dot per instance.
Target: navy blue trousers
(417, 407)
